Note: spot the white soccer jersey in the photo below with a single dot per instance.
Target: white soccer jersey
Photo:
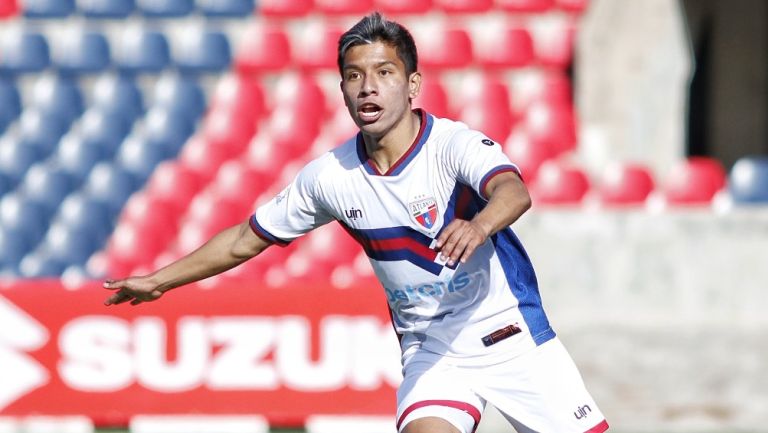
(482, 311)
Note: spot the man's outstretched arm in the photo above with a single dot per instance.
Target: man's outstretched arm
(227, 249)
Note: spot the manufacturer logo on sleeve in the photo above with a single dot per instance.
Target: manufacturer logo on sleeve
(424, 212)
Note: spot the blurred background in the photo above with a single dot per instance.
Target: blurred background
(133, 130)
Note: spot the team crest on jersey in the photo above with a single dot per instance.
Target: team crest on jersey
(424, 212)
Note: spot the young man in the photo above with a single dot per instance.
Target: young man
(433, 202)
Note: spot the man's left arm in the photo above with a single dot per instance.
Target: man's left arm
(508, 199)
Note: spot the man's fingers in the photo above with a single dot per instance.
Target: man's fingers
(113, 284)
(118, 298)
(136, 302)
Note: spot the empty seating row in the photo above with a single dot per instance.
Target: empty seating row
(117, 9)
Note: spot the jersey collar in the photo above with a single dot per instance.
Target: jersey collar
(413, 150)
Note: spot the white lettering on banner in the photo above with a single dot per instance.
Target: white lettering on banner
(96, 354)
(19, 373)
(103, 354)
(245, 342)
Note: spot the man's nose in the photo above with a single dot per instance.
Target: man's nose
(369, 85)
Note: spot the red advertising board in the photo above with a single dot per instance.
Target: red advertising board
(283, 353)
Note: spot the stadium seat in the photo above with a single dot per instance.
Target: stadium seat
(24, 217)
(81, 212)
(139, 157)
(41, 131)
(553, 45)
(180, 95)
(263, 49)
(576, 6)
(510, 48)
(483, 103)
(46, 185)
(553, 123)
(433, 97)
(527, 154)
(103, 129)
(317, 48)
(118, 95)
(748, 180)
(558, 183)
(16, 157)
(111, 185)
(291, 132)
(106, 9)
(167, 130)
(23, 52)
(241, 96)
(625, 184)
(400, 7)
(223, 128)
(549, 88)
(226, 8)
(47, 9)
(128, 247)
(213, 213)
(174, 183)
(236, 181)
(262, 155)
(10, 103)
(464, 6)
(59, 96)
(444, 49)
(165, 8)
(78, 53)
(525, 6)
(200, 158)
(40, 264)
(343, 7)
(13, 247)
(8, 8)
(481, 88)
(145, 208)
(70, 245)
(495, 121)
(202, 52)
(141, 51)
(284, 9)
(302, 93)
(77, 157)
(694, 181)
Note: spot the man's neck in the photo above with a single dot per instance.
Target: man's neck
(385, 151)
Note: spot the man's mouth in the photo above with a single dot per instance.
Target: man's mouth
(369, 112)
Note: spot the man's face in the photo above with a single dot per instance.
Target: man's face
(376, 89)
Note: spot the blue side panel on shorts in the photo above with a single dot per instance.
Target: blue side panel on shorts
(522, 281)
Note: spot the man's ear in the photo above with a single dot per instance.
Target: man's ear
(414, 85)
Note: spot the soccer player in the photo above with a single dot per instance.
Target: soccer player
(431, 202)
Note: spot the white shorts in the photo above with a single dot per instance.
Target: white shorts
(540, 391)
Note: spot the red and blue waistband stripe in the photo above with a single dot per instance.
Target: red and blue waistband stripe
(494, 172)
(264, 234)
(421, 138)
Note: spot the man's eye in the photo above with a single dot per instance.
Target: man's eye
(384, 72)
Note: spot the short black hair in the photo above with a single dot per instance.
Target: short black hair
(375, 28)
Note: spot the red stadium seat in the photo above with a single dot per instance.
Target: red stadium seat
(550, 88)
(175, 184)
(237, 181)
(145, 207)
(512, 48)
(264, 157)
(694, 181)
(303, 93)
(317, 48)
(397, 7)
(478, 88)
(483, 103)
(263, 49)
(625, 184)
(8, 8)
(284, 8)
(464, 6)
(292, 131)
(242, 96)
(559, 183)
(212, 213)
(525, 6)
(129, 246)
(552, 123)
(553, 45)
(527, 154)
(227, 130)
(576, 6)
(433, 97)
(343, 7)
(444, 48)
(202, 159)
(495, 121)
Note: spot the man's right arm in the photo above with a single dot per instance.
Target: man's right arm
(227, 249)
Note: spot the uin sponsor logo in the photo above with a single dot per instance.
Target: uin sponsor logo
(353, 213)
(582, 411)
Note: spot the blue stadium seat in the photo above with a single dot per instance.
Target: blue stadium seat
(23, 216)
(80, 211)
(40, 264)
(110, 184)
(13, 246)
(16, 158)
(77, 157)
(165, 8)
(69, 245)
(106, 9)
(167, 130)
(23, 52)
(10, 103)
(103, 129)
(202, 52)
(81, 53)
(226, 8)
(115, 94)
(57, 95)
(44, 9)
(142, 52)
(748, 180)
(41, 131)
(47, 185)
(181, 95)
(139, 157)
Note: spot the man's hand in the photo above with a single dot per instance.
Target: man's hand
(134, 289)
(460, 239)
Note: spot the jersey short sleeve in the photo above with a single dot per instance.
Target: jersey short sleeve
(476, 159)
(296, 210)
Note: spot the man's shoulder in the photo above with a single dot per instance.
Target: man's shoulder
(333, 162)
(449, 132)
